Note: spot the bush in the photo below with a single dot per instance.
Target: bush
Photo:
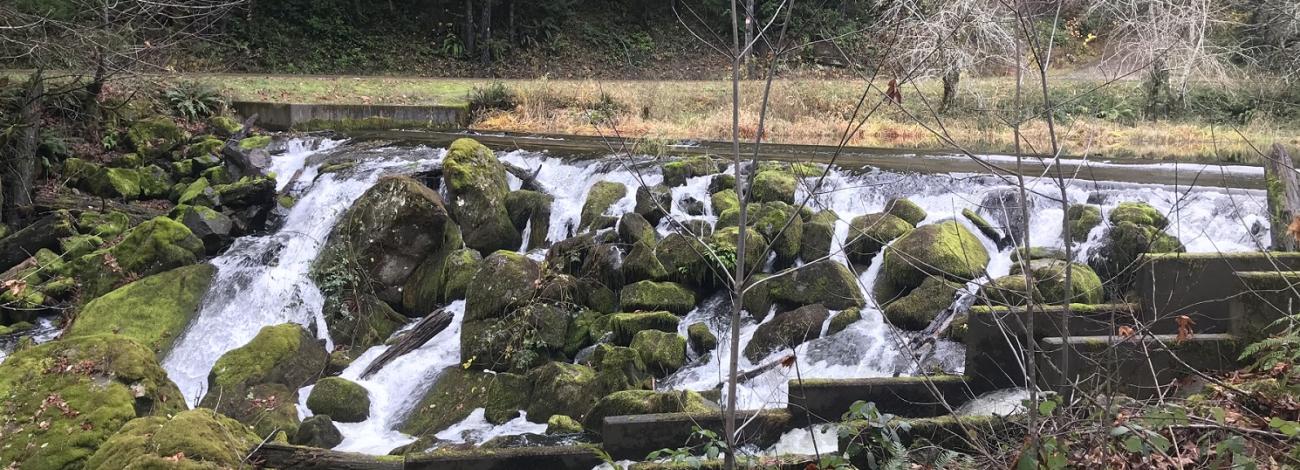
(494, 97)
(193, 100)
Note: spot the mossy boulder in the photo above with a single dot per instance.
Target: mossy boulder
(905, 209)
(676, 172)
(213, 227)
(982, 225)
(121, 183)
(153, 310)
(64, 399)
(255, 142)
(154, 246)
(773, 186)
(603, 266)
(426, 288)
(663, 352)
(458, 273)
(639, 402)
(722, 265)
(700, 338)
(786, 330)
(1012, 290)
(562, 389)
(654, 296)
(944, 249)
(642, 263)
(224, 126)
(562, 424)
(103, 224)
(824, 282)
(341, 399)
(633, 229)
(257, 383)
(781, 225)
(203, 147)
(625, 325)
(818, 236)
(192, 439)
(199, 193)
(247, 192)
(156, 137)
(619, 368)
(1083, 218)
(1036, 252)
(1139, 213)
(217, 175)
(600, 198)
(476, 187)
(653, 202)
(518, 340)
(457, 391)
(841, 321)
(918, 308)
(685, 258)
(725, 200)
(358, 320)
(1116, 260)
(531, 210)
(868, 234)
(77, 246)
(1049, 278)
(317, 431)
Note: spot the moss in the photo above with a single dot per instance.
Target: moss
(1009, 290)
(255, 142)
(224, 126)
(154, 246)
(618, 368)
(824, 282)
(457, 392)
(626, 325)
(772, 186)
(641, 263)
(700, 338)
(653, 296)
(426, 288)
(786, 330)
(246, 192)
(113, 183)
(285, 353)
(1139, 213)
(723, 243)
(633, 229)
(1082, 218)
(841, 321)
(341, 399)
(199, 193)
(202, 437)
(153, 310)
(518, 340)
(981, 224)
(653, 202)
(868, 234)
(676, 172)
(905, 209)
(945, 249)
(64, 398)
(156, 137)
(1036, 252)
(1125, 243)
(562, 424)
(600, 198)
(217, 175)
(562, 389)
(818, 235)
(684, 259)
(78, 245)
(475, 183)
(105, 225)
(206, 146)
(780, 224)
(918, 308)
(663, 352)
(638, 402)
(505, 279)
(725, 200)
(458, 273)
(1049, 279)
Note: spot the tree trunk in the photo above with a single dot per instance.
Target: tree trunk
(470, 34)
(485, 31)
(1283, 199)
(425, 330)
(951, 80)
(90, 104)
(510, 32)
(20, 167)
(750, 16)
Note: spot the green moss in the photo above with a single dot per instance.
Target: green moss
(153, 310)
(653, 202)
(653, 296)
(205, 439)
(676, 172)
(663, 352)
(1139, 213)
(701, 339)
(458, 391)
(917, 309)
(156, 137)
(217, 175)
(725, 200)
(868, 234)
(818, 234)
(842, 320)
(77, 245)
(562, 424)
(780, 224)
(199, 193)
(254, 142)
(1083, 218)
(425, 289)
(224, 126)
(721, 266)
(531, 210)
(600, 198)
(105, 225)
(122, 183)
(905, 209)
(562, 389)
(284, 353)
(626, 325)
(1049, 279)
(343, 400)
(772, 186)
(633, 229)
(824, 282)
(246, 192)
(981, 224)
(154, 246)
(1009, 290)
(944, 249)
(619, 368)
(642, 263)
(786, 330)
(207, 146)
(638, 402)
(475, 183)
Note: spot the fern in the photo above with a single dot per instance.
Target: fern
(193, 100)
(1284, 348)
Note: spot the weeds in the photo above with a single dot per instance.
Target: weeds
(494, 97)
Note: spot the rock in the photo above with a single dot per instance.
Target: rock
(201, 438)
(983, 226)
(676, 172)
(213, 227)
(257, 383)
(567, 256)
(562, 289)
(105, 225)
(248, 144)
(562, 389)
(248, 192)
(75, 170)
(199, 193)
(1049, 279)
(722, 182)
(1004, 207)
(561, 424)
(918, 308)
(458, 272)
(720, 270)
(475, 183)
(725, 200)
(317, 431)
(653, 202)
(773, 186)
(1083, 218)
(618, 368)
(496, 322)
(633, 229)
(663, 352)
(639, 402)
(341, 399)
(206, 146)
(530, 210)
(77, 246)
(218, 175)
(154, 246)
(1139, 213)
(458, 391)
(842, 320)
(700, 338)
(824, 282)
(905, 209)
(1009, 290)
(156, 138)
(1036, 252)
(757, 300)
(426, 288)
(579, 335)
(358, 320)
(224, 126)
(153, 310)
(652, 296)
(641, 263)
(1124, 243)
(683, 257)
(692, 206)
(787, 329)
(626, 325)
(600, 198)
(818, 235)
(56, 417)
(603, 266)
(155, 182)
(868, 234)
(780, 224)
(121, 183)
(944, 249)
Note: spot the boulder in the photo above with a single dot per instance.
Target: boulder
(224, 126)
(257, 383)
(1049, 279)
(567, 256)
(619, 368)
(653, 296)
(562, 424)
(868, 234)
(1009, 290)
(213, 227)
(684, 259)
(121, 183)
(206, 146)
(725, 201)
(918, 308)
(818, 236)
(1083, 218)
(341, 399)
(153, 310)
(357, 320)
(773, 186)
(518, 340)
(625, 325)
(841, 321)
(530, 210)
(600, 198)
(154, 246)
(65, 398)
(1124, 243)
(1036, 252)
(676, 172)
(824, 282)
(1004, 206)
(458, 273)
(633, 229)
(639, 402)
(700, 338)
(476, 187)
(603, 266)
(653, 202)
(426, 288)
(247, 192)
(781, 225)
(786, 330)
(317, 431)
(192, 439)
(642, 263)
(983, 226)
(720, 269)
(944, 249)
(199, 193)
(692, 206)
(76, 246)
(156, 137)
(562, 389)
(1139, 213)
(663, 352)
(103, 224)
(905, 209)
(457, 392)
(561, 289)
(722, 182)
(251, 143)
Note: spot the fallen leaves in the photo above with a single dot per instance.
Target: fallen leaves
(14, 286)
(1185, 325)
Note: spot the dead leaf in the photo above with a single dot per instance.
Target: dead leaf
(15, 286)
(1126, 331)
(1294, 228)
(177, 457)
(1185, 325)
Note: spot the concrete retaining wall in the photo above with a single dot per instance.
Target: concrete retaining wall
(994, 337)
(1136, 366)
(633, 437)
(343, 117)
(914, 397)
(1200, 285)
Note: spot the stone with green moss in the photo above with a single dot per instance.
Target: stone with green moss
(103, 224)
(154, 246)
(77, 245)
(317, 431)
(59, 288)
(944, 249)
(153, 310)
(782, 226)
(799, 169)
(1036, 252)
(654, 296)
(758, 300)
(184, 168)
(475, 183)
(207, 146)
(65, 398)
(341, 399)
(653, 202)
(626, 325)
(600, 198)
(825, 282)
(700, 338)
(841, 321)
(918, 308)
(1139, 213)
(905, 209)
(725, 200)
(1049, 279)
(663, 352)
(518, 339)
(1082, 218)
(1122, 247)
(531, 210)
(633, 229)
(642, 263)
(156, 137)
(562, 424)
(818, 235)
(255, 142)
(122, 183)
(619, 368)
(257, 383)
(224, 126)
(773, 186)
(676, 172)
(213, 227)
(640, 402)
(786, 330)
(201, 438)
(721, 259)
(982, 225)
(868, 234)
(217, 175)
(248, 191)
(199, 193)
(426, 288)
(1012, 290)
(560, 388)
(457, 392)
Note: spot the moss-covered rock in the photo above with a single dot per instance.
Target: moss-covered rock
(1012, 290)
(217, 175)
(1139, 213)
(663, 352)
(426, 287)
(818, 235)
(841, 321)
(1083, 218)
(1123, 245)
(773, 186)
(1049, 279)
(685, 259)
(944, 249)
(458, 391)
(531, 210)
(199, 193)
(824, 282)
(786, 330)
(224, 126)
(721, 265)
(64, 399)
(153, 310)
(207, 146)
(905, 209)
(476, 187)
(654, 296)
(653, 202)
(603, 266)
(868, 234)
(982, 225)
(317, 431)
(156, 137)
(626, 325)
(781, 225)
(562, 389)
(77, 246)
(639, 402)
(724, 200)
(113, 183)
(676, 172)
(105, 225)
(154, 246)
(1036, 252)
(918, 308)
(700, 338)
(193, 439)
(458, 273)
(341, 399)
(213, 227)
(257, 383)
(619, 368)
(255, 142)
(502, 330)
(633, 229)
(562, 424)
(600, 198)
(247, 192)
(642, 263)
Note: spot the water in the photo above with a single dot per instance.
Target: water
(263, 280)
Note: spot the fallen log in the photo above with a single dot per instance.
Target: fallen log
(290, 457)
(421, 333)
(1283, 199)
(529, 178)
(50, 201)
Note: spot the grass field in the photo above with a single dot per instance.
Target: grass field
(1094, 118)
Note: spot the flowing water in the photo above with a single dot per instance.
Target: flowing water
(263, 280)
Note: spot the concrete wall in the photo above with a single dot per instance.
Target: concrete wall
(995, 335)
(1271, 296)
(914, 397)
(1200, 285)
(1135, 366)
(633, 437)
(343, 117)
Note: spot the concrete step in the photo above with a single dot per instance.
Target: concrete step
(1201, 286)
(1269, 295)
(826, 400)
(1137, 366)
(994, 336)
(634, 436)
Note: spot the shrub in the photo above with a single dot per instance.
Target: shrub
(193, 100)
(493, 97)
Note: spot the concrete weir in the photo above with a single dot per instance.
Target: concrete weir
(351, 117)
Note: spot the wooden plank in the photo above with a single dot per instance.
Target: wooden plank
(1283, 197)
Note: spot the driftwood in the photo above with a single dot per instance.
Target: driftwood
(289, 457)
(1283, 198)
(529, 178)
(426, 329)
(50, 201)
(231, 152)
